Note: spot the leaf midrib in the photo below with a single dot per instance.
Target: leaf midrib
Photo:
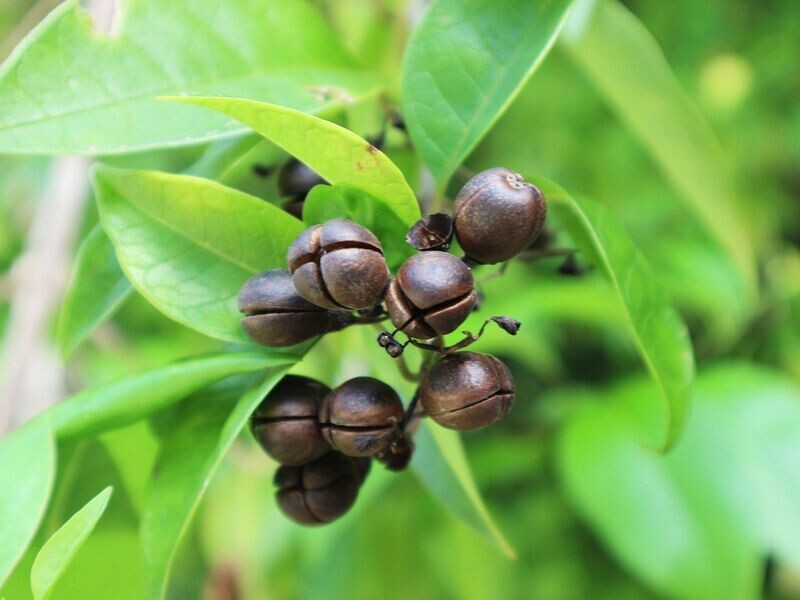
(600, 249)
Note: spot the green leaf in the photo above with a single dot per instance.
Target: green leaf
(624, 61)
(465, 63)
(337, 154)
(661, 337)
(56, 554)
(69, 90)
(194, 450)
(699, 521)
(98, 286)
(133, 398)
(325, 202)
(27, 472)
(188, 244)
(442, 467)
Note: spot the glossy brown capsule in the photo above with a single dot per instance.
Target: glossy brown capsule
(431, 295)
(497, 215)
(361, 417)
(276, 315)
(296, 179)
(339, 265)
(467, 390)
(319, 492)
(286, 423)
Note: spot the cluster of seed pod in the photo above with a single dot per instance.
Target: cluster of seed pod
(338, 276)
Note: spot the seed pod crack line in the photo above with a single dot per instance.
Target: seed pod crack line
(421, 314)
(495, 395)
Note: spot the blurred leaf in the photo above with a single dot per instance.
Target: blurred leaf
(109, 565)
(698, 522)
(442, 467)
(625, 63)
(98, 286)
(27, 472)
(70, 90)
(135, 397)
(188, 244)
(325, 202)
(660, 335)
(56, 554)
(465, 63)
(134, 468)
(189, 458)
(338, 155)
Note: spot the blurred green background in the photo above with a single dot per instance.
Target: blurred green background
(738, 62)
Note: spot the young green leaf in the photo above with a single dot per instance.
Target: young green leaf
(188, 244)
(70, 90)
(338, 155)
(660, 335)
(98, 286)
(624, 61)
(133, 398)
(326, 202)
(201, 432)
(442, 467)
(698, 522)
(56, 554)
(464, 65)
(27, 472)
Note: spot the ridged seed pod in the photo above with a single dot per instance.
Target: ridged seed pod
(339, 264)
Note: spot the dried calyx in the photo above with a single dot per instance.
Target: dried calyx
(433, 233)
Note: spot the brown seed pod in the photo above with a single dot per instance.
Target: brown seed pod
(319, 492)
(364, 466)
(467, 390)
(286, 423)
(360, 417)
(497, 215)
(431, 295)
(339, 265)
(296, 179)
(276, 315)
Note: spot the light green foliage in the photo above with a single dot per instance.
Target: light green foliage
(625, 63)
(464, 65)
(27, 471)
(98, 286)
(69, 89)
(660, 335)
(442, 467)
(224, 92)
(201, 431)
(138, 396)
(338, 155)
(188, 244)
(696, 523)
(54, 557)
